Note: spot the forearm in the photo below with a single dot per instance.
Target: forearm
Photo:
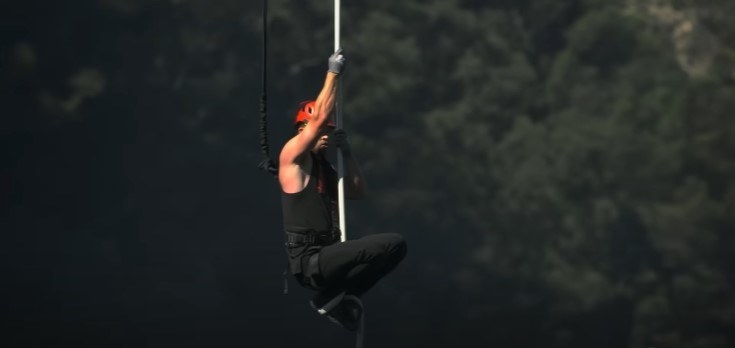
(355, 187)
(326, 98)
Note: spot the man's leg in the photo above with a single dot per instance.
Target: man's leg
(346, 270)
(355, 266)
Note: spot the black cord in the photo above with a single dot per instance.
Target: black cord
(267, 163)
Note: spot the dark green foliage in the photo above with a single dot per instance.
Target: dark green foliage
(564, 171)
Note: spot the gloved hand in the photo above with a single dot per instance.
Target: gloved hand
(336, 62)
(340, 139)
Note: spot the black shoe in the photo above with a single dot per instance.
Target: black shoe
(347, 313)
(325, 300)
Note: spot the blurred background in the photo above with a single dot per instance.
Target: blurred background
(563, 171)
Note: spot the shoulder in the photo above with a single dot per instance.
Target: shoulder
(290, 154)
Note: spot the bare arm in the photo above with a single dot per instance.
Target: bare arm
(355, 187)
(304, 141)
(292, 154)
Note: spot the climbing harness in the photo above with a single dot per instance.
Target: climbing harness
(307, 239)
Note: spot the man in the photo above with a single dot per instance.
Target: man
(340, 272)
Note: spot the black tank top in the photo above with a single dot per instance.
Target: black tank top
(309, 210)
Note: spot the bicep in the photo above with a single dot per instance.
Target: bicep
(299, 145)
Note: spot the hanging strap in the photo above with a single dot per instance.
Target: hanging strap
(267, 163)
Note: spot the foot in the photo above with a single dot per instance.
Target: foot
(325, 302)
(343, 310)
(347, 313)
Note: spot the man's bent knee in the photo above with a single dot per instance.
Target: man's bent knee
(396, 244)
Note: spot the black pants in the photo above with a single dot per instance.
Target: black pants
(354, 266)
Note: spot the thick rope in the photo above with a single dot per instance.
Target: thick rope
(267, 163)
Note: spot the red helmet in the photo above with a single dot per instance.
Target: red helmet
(306, 109)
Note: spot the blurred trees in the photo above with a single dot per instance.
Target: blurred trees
(563, 171)
(562, 148)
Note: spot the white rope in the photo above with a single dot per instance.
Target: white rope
(341, 170)
(340, 158)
